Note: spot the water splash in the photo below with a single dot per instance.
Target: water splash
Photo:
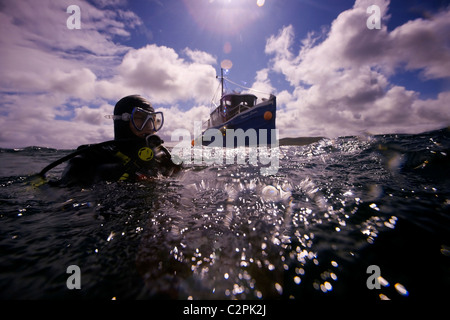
(226, 232)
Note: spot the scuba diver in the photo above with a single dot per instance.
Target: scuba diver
(135, 154)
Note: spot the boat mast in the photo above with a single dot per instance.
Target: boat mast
(221, 81)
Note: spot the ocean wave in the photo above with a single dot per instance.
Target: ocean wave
(225, 231)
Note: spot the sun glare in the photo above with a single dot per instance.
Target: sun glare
(224, 16)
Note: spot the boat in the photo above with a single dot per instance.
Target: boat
(240, 120)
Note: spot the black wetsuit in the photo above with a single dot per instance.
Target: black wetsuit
(128, 160)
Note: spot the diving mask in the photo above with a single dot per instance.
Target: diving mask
(142, 119)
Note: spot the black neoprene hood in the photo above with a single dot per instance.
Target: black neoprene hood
(126, 105)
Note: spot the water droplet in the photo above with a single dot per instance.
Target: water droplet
(279, 288)
(401, 289)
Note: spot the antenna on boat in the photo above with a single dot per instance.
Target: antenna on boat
(221, 80)
(225, 64)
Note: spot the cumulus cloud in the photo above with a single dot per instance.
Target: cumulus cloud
(200, 56)
(57, 84)
(46, 67)
(176, 118)
(160, 73)
(262, 82)
(341, 78)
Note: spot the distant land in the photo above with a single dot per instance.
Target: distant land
(300, 141)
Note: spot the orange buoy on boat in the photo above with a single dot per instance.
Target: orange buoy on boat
(267, 115)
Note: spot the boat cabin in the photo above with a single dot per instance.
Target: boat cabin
(230, 106)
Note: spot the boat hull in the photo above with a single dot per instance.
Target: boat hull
(254, 127)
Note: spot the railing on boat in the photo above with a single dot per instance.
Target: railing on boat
(219, 115)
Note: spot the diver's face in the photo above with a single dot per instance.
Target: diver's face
(143, 133)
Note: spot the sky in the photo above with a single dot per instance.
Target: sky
(335, 72)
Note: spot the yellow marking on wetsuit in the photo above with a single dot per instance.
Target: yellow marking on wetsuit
(124, 177)
(145, 154)
(125, 159)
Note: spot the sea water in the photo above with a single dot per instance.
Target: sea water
(364, 218)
